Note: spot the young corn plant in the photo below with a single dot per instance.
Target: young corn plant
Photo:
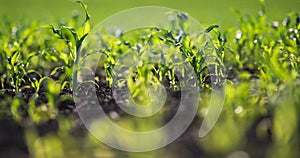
(137, 43)
(15, 54)
(45, 111)
(73, 38)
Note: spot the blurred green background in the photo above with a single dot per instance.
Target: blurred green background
(207, 12)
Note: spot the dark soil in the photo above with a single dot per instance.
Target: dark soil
(12, 142)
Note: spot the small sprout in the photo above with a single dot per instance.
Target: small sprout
(298, 19)
(255, 41)
(139, 47)
(238, 35)
(118, 42)
(15, 43)
(210, 28)
(286, 22)
(157, 29)
(14, 31)
(75, 14)
(114, 115)
(238, 110)
(275, 24)
(183, 16)
(178, 44)
(118, 32)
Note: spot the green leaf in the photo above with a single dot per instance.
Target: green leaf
(14, 58)
(31, 55)
(68, 33)
(16, 103)
(210, 28)
(56, 32)
(86, 26)
(32, 111)
(53, 88)
(88, 15)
